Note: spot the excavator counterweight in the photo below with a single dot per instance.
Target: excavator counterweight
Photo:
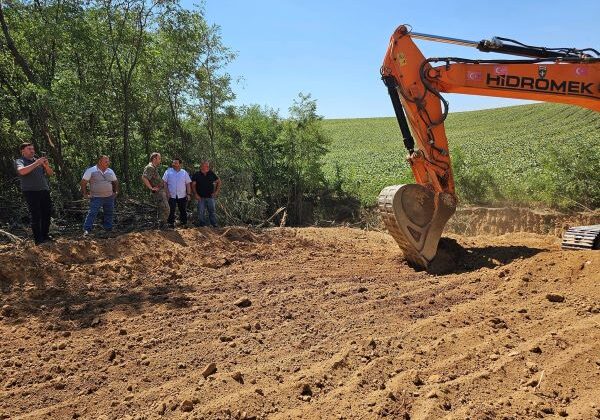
(416, 214)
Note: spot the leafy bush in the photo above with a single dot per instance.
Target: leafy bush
(475, 184)
(571, 178)
(282, 157)
(539, 154)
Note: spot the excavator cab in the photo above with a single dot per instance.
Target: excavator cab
(416, 214)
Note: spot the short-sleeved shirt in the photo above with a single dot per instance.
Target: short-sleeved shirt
(100, 182)
(205, 183)
(151, 174)
(177, 182)
(36, 180)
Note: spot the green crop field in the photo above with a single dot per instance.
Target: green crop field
(542, 153)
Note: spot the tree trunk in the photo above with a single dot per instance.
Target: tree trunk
(39, 119)
(126, 176)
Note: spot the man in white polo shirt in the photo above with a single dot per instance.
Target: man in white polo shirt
(178, 184)
(103, 188)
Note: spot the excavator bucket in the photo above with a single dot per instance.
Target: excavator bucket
(415, 217)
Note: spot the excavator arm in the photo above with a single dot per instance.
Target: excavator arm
(415, 214)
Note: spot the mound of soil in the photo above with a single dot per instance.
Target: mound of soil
(498, 221)
(298, 323)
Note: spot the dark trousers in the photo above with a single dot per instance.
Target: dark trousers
(40, 209)
(181, 204)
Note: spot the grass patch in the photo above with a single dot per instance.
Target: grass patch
(546, 154)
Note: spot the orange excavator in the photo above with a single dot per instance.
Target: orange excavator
(415, 214)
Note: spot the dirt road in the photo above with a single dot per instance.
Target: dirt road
(298, 323)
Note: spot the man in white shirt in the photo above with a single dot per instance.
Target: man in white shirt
(103, 188)
(178, 183)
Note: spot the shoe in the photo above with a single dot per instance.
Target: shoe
(49, 238)
(86, 233)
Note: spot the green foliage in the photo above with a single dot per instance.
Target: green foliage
(117, 78)
(80, 79)
(282, 158)
(365, 156)
(251, 142)
(237, 206)
(477, 184)
(540, 154)
(303, 144)
(213, 90)
(571, 179)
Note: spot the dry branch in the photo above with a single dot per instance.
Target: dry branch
(279, 210)
(11, 237)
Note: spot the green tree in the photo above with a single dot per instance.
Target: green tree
(251, 148)
(126, 23)
(213, 84)
(281, 158)
(303, 144)
(35, 46)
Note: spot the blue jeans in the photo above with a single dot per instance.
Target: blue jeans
(108, 207)
(208, 203)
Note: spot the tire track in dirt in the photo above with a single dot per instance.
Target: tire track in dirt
(338, 326)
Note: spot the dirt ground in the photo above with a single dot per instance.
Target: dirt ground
(312, 323)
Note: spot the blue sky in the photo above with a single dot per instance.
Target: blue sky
(333, 49)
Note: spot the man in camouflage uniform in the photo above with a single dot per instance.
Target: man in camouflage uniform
(153, 181)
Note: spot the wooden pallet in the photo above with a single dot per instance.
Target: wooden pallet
(582, 237)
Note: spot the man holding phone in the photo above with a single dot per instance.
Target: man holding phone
(33, 174)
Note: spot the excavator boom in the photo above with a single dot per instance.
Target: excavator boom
(415, 214)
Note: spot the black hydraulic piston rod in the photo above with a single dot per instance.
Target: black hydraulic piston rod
(407, 138)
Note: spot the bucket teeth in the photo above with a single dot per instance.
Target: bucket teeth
(415, 217)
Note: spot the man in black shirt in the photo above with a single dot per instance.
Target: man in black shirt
(33, 173)
(206, 186)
